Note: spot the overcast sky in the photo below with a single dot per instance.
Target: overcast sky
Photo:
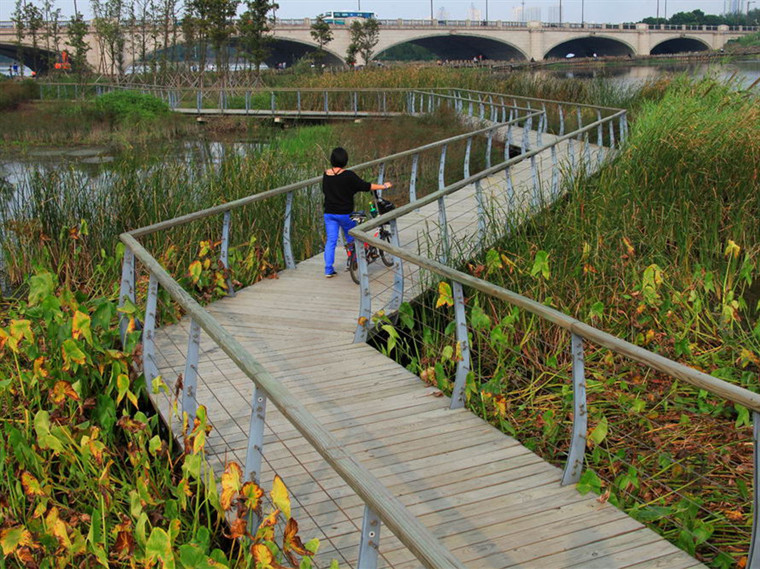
(600, 11)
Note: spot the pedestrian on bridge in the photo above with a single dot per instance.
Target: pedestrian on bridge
(339, 186)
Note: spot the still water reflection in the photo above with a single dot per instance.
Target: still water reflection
(745, 70)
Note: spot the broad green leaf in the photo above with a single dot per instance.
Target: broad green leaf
(159, 548)
(541, 265)
(493, 260)
(42, 428)
(41, 285)
(600, 431)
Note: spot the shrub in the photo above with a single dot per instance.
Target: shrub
(13, 93)
(121, 106)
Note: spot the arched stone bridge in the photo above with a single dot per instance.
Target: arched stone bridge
(463, 40)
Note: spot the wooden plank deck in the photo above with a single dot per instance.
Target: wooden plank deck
(490, 500)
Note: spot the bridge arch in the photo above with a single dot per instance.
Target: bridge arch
(291, 50)
(39, 60)
(590, 45)
(680, 45)
(464, 47)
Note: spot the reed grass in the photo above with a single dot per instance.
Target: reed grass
(659, 248)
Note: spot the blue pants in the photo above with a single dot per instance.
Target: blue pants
(334, 222)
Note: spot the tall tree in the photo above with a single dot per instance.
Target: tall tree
(213, 22)
(109, 28)
(33, 22)
(19, 24)
(254, 28)
(51, 30)
(364, 37)
(322, 34)
(76, 32)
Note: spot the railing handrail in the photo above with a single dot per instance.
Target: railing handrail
(391, 511)
(221, 208)
(701, 380)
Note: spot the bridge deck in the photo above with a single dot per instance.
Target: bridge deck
(490, 500)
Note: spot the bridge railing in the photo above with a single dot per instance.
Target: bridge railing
(381, 506)
(579, 347)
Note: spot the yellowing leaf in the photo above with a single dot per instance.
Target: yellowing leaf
(72, 355)
(195, 271)
(262, 556)
(230, 484)
(61, 390)
(445, 296)
(252, 493)
(58, 528)
(32, 486)
(80, 326)
(280, 497)
(732, 249)
(13, 538)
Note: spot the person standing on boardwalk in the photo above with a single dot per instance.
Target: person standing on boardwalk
(339, 186)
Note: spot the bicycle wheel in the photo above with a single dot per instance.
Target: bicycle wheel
(353, 269)
(388, 259)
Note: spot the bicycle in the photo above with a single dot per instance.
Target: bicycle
(372, 253)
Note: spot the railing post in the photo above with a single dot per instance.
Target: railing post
(223, 257)
(356, 103)
(481, 108)
(580, 118)
(255, 452)
(561, 120)
(290, 262)
(599, 129)
(272, 102)
(489, 145)
(327, 103)
(413, 178)
(536, 184)
(199, 101)
(510, 189)
(370, 540)
(525, 138)
(381, 174)
(574, 464)
(555, 174)
(753, 556)
(623, 128)
(365, 297)
(612, 134)
(467, 153)
(298, 101)
(463, 365)
(190, 380)
(503, 110)
(443, 223)
(127, 292)
(398, 275)
(150, 369)
(442, 168)
(385, 102)
(510, 140)
(247, 102)
(481, 212)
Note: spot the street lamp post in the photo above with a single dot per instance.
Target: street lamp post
(560, 13)
(583, 14)
(431, 9)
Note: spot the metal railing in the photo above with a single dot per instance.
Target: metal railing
(506, 116)
(581, 333)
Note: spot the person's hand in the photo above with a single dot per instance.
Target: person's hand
(387, 185)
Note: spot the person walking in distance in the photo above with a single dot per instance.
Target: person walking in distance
(339, 186)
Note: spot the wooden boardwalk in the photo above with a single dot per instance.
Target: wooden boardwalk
(490, 500)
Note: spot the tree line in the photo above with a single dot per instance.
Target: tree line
(165, 34)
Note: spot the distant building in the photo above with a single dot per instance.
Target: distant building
(526, 14)
(473, 13)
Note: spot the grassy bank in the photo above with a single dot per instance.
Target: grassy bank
(660, 248)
